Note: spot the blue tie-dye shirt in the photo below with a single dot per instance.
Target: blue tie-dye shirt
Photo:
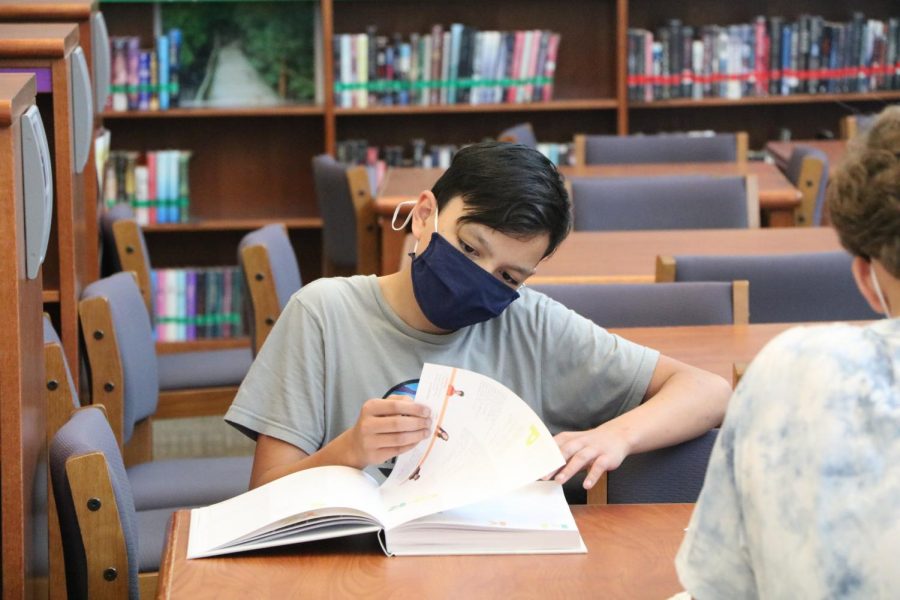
(802, 494)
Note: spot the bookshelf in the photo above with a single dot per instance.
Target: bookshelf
(274, 145)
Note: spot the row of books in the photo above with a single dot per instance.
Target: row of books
(460, 65)
(155, 184)
(419, 154)
(198, 303)
(378, 159)
(771, 56)
(145, 79)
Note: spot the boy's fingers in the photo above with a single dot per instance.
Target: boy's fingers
(398, 405)
(398, 424)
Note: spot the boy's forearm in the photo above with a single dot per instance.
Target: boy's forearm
(332, 454)
(688, 404)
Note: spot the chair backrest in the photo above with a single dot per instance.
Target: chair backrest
(271, 274)
(807, 169)
(62, 400)
(852, 125)
(660, 148)
(123, 242)
(95, 507)
(522, 133)
(349, 231)
(654, 304)
(121, 352)
(671, 202)
(786, 288)
(674, 474)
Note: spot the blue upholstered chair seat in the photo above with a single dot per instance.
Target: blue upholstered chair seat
(673, 474)
(152, 527)
(646, 305)
(786, 288)
(188, 481)
(214, 368)
(665, 202)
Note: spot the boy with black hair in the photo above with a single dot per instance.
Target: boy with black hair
(313, 395)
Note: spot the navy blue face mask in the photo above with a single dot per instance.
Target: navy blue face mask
(452, 290)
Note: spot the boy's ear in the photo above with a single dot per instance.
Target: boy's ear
(423, 214)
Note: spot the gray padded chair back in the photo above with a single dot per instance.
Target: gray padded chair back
(662, 148)
(88, 431)
(787, 288)
(673, 474)
(336, 208)
(51, 337)
(283, 261)
(864, 122)
(137, 351)
(647, 304)
(522, 133)
(794, 166)
(671, 202)
(111, 262)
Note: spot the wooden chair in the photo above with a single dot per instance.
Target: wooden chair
(62, 401)
(660, 148)
(664, 202)
(97, 518)
(350, 237)
(655, 304)
(853, 125)
(807, 169)
(784, 288)
(272, 276)
(523, 133)
(667, 475)
(192, 383)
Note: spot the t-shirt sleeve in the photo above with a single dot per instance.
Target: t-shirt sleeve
(589, 375)
(282, 395)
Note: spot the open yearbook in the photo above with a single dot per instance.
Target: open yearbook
(469, 488)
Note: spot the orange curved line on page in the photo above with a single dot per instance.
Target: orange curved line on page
(440, 421)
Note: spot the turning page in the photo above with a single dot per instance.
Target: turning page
(485, 441)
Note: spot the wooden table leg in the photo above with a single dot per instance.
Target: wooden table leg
(781, 217)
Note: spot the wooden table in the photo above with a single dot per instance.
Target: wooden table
(777, 197)
(631, 554)
(714, 348)
(630, 256)
(834, 149)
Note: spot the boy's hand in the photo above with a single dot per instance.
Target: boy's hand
(386, 427)
(601, 449)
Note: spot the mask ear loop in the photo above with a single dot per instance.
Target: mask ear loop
(406, 222)
(879, 293)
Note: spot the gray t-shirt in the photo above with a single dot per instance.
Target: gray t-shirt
(338, 343)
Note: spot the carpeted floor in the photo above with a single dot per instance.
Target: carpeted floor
(197, 437)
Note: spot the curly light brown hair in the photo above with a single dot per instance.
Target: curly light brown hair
(863, 196)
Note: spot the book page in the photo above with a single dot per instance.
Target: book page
(531, 519)
(485, 441)
(309, 495)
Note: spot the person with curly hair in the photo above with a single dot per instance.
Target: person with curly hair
(802, 494)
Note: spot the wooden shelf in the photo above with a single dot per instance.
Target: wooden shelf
(555, 105)
(202, 345)
(287, 110)
(771, 100)
(233, 225)
(50, 296)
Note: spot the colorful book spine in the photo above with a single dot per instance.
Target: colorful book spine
(191, 304)
(142, 194)
(175, 41)
(144, 89)
(133, 75)
(119, 90)
(162, 54)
